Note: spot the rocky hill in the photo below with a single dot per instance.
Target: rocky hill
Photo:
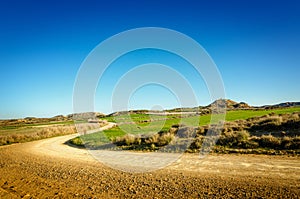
(228, 104)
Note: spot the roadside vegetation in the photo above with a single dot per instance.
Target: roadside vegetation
(18, 133)
(25, 134)
(275, 131)
(266, 131)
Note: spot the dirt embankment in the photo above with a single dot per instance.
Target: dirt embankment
(49, 169)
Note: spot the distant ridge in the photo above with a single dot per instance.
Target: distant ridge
(222, 103)
(282, 105)
(230, 104)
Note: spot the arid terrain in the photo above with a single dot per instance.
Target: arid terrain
(50, 169)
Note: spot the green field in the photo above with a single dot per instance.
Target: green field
(164, 123)
(245, 114)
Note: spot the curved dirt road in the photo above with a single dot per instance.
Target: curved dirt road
(50, 169)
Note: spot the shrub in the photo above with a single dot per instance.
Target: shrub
(165, 139)
(269, 141)
(233, 139)
(153, 139)
(173, 130)
(294, 117)
(286, 143)
(296, 142)
(271, 121)
(76, 141)
(128, 140)
(249, 144)
(197, 143)
(201, 130)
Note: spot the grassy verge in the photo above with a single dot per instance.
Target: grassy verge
(29, 132)
(26, 134)
(16, 123)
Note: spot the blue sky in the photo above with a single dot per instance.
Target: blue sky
(255, 44)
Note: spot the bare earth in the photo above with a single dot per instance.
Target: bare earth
(50, 169)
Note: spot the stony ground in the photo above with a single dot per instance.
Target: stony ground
(50, 169)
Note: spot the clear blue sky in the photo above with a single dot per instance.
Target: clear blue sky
(255, 44)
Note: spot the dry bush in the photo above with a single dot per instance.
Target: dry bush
(201, 130)
(287, 142)
(290, 142)
(2, 140)
(233, 126)
(296, 143)
(158, 139)
(197, 143)
(267, 123)
(269, 141)
(249, 144)
(84, 127)
(233, 139)
(294, 117)
(272, 120)
(173, 130)
(165, 139)
(152, 139)
(128, 140)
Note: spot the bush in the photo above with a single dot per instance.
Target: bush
(270, 123)
(233, 139)
(76, 141)
(201, 130)
(287, 143)
(249, 144)
(128, 140)
(269, 141)
(242, 136)
(165, 139)
(197, 143)
(294, 117)
(153, 139)
(173, 130)
(296, 143)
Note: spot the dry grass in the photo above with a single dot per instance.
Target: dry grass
(22, 132)
(233, 139)
(31, 134)
(83, 128)
(128, 139)
(149, 142)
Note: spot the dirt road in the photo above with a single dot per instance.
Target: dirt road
(50, 169)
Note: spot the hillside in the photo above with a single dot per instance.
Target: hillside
(228, 104)
(222, 103)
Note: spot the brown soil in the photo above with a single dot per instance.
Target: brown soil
(50, 169)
